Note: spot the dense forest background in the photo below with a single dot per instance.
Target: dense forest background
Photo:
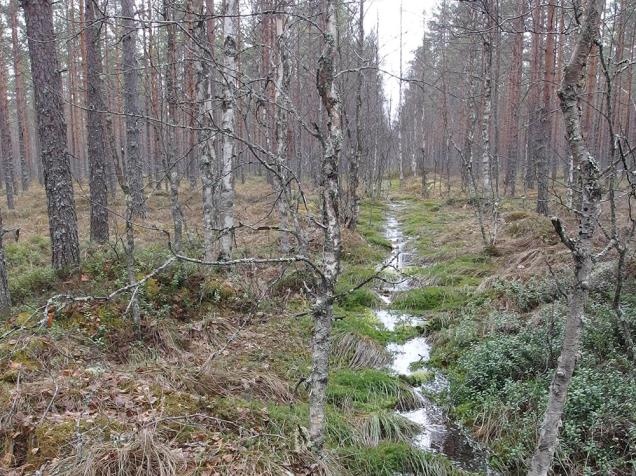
(221, 232)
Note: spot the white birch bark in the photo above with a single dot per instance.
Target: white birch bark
(207, 153)
(485, 120)
(581, 247)
(226, 195)
(323, 305)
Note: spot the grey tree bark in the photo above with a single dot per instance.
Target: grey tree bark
(47, 89)
(5, 294)
(5, 135)
(207, 153)
(134, 171)
(170, 139)
(323, 305)
(284, 176)
(354, 166)
(20, 100)
(580, 247)
(95, 126)
(226, 195)
(486, 170)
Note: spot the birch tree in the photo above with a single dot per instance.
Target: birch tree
(323, 305)
(226, 196)
(581, 246)
(207, 153)
(170, 138)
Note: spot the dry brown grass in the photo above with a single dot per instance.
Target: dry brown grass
(254, 204)
(140, 453)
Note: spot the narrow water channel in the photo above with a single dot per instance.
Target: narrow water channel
(438, 434)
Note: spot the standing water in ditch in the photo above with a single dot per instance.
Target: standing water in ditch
(438, 434)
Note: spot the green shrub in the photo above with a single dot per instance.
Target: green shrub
(507, 357)
(34, 281)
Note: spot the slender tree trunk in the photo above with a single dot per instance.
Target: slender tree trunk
(47, 87)
(5, 137)
(231, 11)
(5, 133)
(486, 169)
(399, 107)
(20, 101)
(581, 247)
(357, 157)
(534, 96)
(134, 169)
(95, 126)
(323, 305)
(5, 294)
(172, 166)
(207, 152)
(545, 125)
(281, 90)
(512, 164)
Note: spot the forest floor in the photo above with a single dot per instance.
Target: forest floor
(216, 385)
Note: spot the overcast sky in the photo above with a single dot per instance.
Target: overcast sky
(387, 13)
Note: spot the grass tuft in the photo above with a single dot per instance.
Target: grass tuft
(357, 351)
(388, 426)
(139, 454)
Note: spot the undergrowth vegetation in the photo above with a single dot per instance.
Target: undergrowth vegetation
(218, 381)
(498, 344)
(216, 385)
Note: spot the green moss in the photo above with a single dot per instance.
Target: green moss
(287, 419)
(179, 403)
(420, 377)
(461, 271)
(389, 459)
(369, 387)
(50, 439)
(430, 299)
(217, 290)
(365, 323)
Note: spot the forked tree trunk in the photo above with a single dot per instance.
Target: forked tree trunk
(133, 163)
(47, 88)
(323, 305)
(95, 127)
(581, 246)
(226, 196)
